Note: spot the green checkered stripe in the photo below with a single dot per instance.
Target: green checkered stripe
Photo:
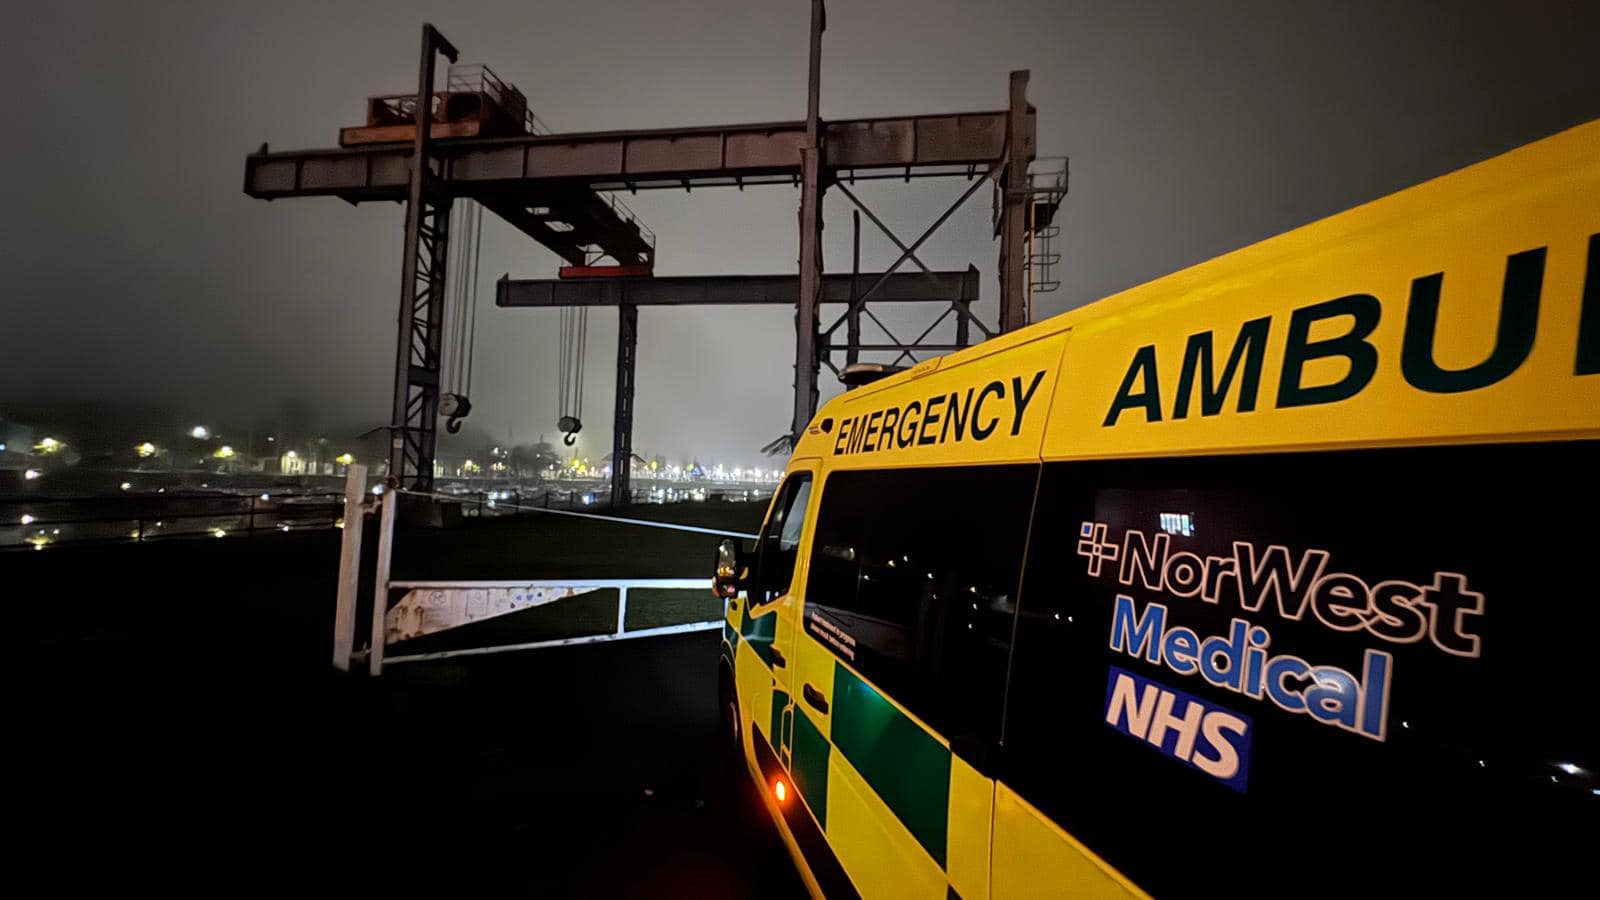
(905, 765)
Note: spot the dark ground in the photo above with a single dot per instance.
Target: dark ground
(174, 728)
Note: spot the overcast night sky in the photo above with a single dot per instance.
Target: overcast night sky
(139, 274)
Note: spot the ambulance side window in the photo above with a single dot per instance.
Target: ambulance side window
(913, 582)
(780, 537)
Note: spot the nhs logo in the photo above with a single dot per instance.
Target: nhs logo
(1193, 731)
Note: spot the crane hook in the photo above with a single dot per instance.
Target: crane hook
(454, 407)
(570, 426)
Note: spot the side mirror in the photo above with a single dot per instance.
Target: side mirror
(729, 578)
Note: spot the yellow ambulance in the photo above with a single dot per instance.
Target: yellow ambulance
(1275, 576)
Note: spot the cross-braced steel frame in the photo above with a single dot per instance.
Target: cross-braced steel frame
(958, 290)
(552, 187)
(414, 423)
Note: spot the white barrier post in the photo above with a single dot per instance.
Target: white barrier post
(380, 587)
(344, 614)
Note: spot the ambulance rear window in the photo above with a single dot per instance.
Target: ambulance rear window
(1334, 673)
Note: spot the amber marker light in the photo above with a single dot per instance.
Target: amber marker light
(780, 790)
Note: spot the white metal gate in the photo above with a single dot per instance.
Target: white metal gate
(432, 607)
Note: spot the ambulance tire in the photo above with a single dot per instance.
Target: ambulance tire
(730, 743)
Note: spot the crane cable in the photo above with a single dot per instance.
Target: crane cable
(574, 338)
(462, 294)
(472, 295)
(457, 310)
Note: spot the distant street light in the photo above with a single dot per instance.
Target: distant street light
(32, 474)
(146, 450)
(199, 432)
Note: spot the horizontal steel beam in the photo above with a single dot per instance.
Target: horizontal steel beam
(503, 168)
(732, 290)
(892, 348)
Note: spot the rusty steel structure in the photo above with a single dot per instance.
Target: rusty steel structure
(475, 103)
(414, 421)
(560, 191)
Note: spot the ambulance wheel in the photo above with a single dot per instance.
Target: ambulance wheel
(730, 735)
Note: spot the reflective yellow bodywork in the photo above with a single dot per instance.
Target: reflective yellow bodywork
(1464, 227)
